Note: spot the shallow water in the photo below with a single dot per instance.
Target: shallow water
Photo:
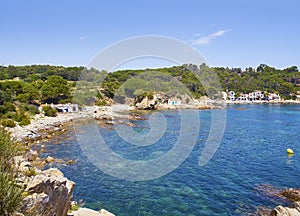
(252, 152)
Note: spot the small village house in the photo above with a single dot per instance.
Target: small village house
(243, 97)
(228, 95)
(224, 96)
(63, 108)
(274, 96)
(174, 101)
(231, 95)
(256, 95)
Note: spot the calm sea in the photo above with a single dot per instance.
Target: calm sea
(252, 152)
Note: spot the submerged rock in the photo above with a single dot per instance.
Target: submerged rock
(269, 190)
(69, 162)
(262, 211)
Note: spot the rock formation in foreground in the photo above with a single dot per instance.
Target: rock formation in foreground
(47, 192)
(293, 195)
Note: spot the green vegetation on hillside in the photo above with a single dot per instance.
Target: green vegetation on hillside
(267, 79)
(20, 99)
(31, 73)
(24, 88)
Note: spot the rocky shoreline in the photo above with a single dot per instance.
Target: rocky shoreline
(201, 103)
(48, 192)
(42, 127)
(285, 195)
(262, 102)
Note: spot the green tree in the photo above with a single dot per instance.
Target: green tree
(49, 111)
(29, 94)
(55, 89)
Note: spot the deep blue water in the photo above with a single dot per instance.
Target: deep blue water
(252, 152)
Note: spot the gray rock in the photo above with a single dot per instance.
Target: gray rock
(89, 212)
(50, 193)
(146, 104)
(18, 160)
(53, 172)
(25, 166)
(31, 155)
(84, 212)
(293, 194)
(49, 159)
(103, 212)
(35, 203)
(293, 210)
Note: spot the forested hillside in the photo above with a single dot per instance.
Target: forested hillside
(265, 78)
(23, 88)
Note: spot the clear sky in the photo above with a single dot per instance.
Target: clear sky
(234, 33)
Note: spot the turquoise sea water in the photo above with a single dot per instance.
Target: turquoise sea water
(252, 152)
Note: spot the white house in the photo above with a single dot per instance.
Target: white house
(224, 96)
(273, 96)
(174, 101)
(228, 95)
(66, 108)
(243, 97)
(256, 95)
(231, 95)
(259, 95)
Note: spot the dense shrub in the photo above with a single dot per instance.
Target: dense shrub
(25, 120)
(22, 118)
(9, 107)
(33, 110)
(101, 103)
(11, 115)
(30, 109)
(49, 111)
(10, 192)
(8, 123)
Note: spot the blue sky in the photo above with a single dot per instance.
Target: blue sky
(234, 33)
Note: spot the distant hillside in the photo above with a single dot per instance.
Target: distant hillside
(265, 78)
(35, 72)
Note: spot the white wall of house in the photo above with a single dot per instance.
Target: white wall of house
(174, 102)
(224, 96)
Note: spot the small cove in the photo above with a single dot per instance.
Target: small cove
(252, 152)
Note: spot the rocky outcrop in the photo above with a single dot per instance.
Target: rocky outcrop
(89, 212)
(31, 155)
(41, 125)
(110, 112)
(292, 195)
(146, 104)
(293, 210)
(49, 193)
